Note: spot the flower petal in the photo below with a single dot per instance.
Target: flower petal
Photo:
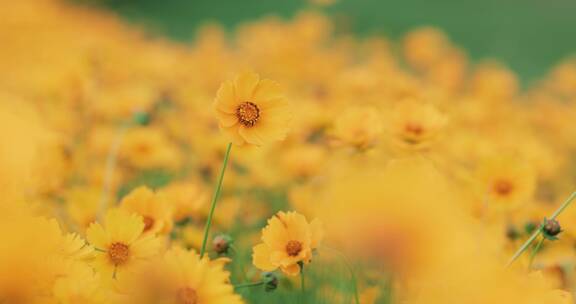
(245, 85)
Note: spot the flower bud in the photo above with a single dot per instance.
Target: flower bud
(551, 228)
(270, 281)
(221, 243)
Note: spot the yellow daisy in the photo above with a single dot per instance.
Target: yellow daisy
(120, 242)
(251, 110)
(287, 240)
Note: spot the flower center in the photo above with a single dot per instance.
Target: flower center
(503, 187)
(186, 295)
(414, 129)
(118, 253)
(148, 223)
(293, 248)
(248, 113)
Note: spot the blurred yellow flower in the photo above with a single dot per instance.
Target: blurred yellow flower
(179, 276)
(153, 207)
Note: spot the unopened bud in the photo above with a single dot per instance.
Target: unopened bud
(270, 281)
(551, 228)
(221, 243)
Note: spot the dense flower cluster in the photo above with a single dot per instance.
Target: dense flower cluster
(366, 171)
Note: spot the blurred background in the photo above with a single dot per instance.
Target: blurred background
(528, 35)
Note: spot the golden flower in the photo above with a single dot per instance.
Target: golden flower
(120, 242)
(179, 277)
(149, 148)
(506, 181)
(153, 207)
(359, 127)
(287, 240)
(251, 110)
(416, 125)
(186, 198)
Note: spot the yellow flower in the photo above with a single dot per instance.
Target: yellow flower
(416, 125)
(149, 148)
(80, 285)
(251, 110)
(179, 276)
(359, 127)
(187, 199)
(287, 240)
(506, 181)
(120, 242)
(154, 209)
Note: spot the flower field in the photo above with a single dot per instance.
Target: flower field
(280, 162)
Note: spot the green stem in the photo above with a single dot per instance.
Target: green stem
(536, 233)
(214, 200)
(302, 281)
(535, 251)
(247, 285)
(352, 273)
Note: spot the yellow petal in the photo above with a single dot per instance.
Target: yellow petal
(266, 91)
(261, 258)
(233, 135)
(226, 120)
(291, 270)
(245, 85)
(225, 98)
(97, 236)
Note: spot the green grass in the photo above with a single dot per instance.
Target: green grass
(528, 35)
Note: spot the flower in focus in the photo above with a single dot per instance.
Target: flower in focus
(251, 110)
(287, 240)
(153, 208)
(120, 242)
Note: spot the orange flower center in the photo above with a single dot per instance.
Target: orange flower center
(118, 253)
(148, 223)
(293, 248)
(503, 187)
(248, 113)
(186, 295)
(414, 129)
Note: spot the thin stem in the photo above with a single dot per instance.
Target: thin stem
(563, 206)
(352, 273)
(247, 285)
(302, 281)
(214, 200)
(535, 251)
(536, 233)
(111, 160)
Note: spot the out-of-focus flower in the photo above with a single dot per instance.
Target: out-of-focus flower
(153, 207)
(414, 125)
(179, 276)
(359, 127)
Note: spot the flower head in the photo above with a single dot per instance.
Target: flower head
(251, 110)
(287, 240)
(180, 277)
(120, 242)
(155, 211)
